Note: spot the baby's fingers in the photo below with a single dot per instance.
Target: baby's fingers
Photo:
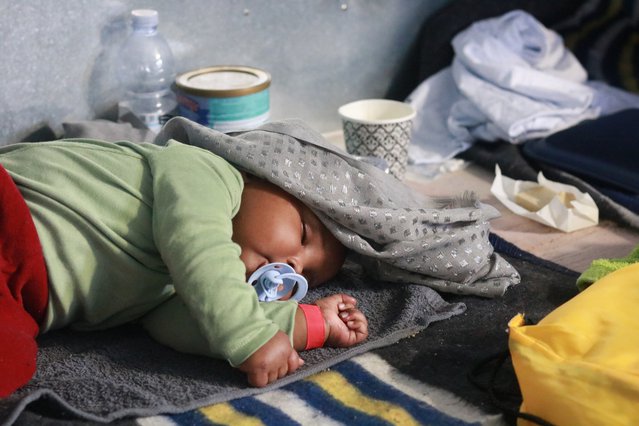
(294, 362)
(352, 314)
(349, 300)
(358, 323)
(358, 326)
(342, 307)
(360, 332)
(259, 380)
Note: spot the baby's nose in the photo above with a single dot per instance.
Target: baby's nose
(294, 263)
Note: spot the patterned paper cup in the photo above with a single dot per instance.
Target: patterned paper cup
(379, 128)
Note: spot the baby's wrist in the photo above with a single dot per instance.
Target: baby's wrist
(317, 328)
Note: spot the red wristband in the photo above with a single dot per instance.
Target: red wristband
(315, 327)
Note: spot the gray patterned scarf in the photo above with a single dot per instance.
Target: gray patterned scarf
(398, 234)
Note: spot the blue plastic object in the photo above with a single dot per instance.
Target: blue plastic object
(276, 280)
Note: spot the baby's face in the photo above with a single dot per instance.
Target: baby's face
(273, 226)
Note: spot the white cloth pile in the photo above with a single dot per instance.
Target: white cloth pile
(511, 79)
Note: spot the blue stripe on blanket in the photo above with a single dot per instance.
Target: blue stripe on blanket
(315, 396)
(374, 388)
(268, 414)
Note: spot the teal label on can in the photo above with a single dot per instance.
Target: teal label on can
(222, 112)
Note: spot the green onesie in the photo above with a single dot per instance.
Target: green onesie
(138, 231)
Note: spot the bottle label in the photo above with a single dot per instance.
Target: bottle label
(152, 121)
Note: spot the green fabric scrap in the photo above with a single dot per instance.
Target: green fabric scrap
(602, 267)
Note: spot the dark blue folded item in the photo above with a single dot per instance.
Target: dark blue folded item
(629, 201)
(604, 150)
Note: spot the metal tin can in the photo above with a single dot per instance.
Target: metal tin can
(225, 98)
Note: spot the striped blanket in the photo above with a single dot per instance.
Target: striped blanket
(365, 390)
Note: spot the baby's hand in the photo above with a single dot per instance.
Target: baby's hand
(346, 325)
(274, 360)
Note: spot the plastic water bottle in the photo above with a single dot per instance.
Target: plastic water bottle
(146, 71)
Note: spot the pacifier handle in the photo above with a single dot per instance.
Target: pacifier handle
(275, 280)
(269, 282)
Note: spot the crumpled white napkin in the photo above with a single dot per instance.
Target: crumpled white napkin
(582, 211)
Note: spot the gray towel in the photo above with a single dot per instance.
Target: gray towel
(400, 235)
(110, 374)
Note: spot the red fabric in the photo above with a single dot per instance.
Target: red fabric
(315, 326)
(23, 288)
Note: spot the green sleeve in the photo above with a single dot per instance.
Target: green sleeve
(196, 194)
(172, 325)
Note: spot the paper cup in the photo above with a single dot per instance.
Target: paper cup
(379, 128)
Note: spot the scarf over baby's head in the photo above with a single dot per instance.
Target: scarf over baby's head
(399, 234)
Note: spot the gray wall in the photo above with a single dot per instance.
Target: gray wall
(57, 55)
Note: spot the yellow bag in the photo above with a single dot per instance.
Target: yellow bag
(580, 364)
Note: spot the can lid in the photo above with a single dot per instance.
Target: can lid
(223, 81)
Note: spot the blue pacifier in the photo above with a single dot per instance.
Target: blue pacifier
(276, 280)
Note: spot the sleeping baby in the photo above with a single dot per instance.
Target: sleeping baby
(96, 234)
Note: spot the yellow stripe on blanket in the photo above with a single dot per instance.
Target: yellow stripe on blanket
(224, 414)
(339, 388)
